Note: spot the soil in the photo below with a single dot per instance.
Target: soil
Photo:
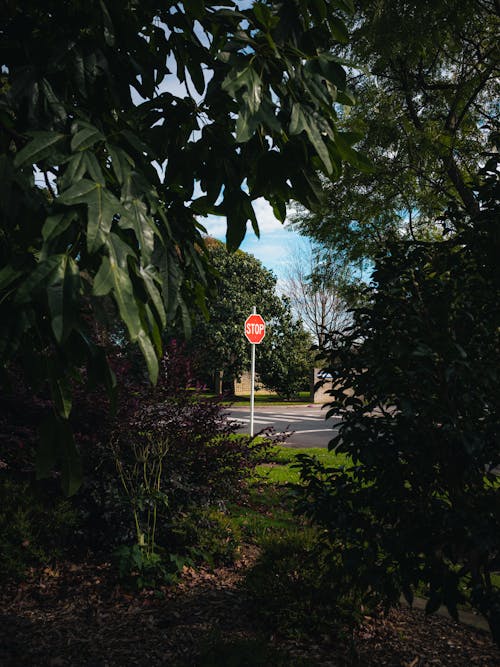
(78, 615)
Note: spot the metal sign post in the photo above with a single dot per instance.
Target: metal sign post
(255, 330)
(252, 386)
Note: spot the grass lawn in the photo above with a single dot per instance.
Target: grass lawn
(280, 468)
(268, 511)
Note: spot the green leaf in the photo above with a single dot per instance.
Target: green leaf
(121, 163)
(102, 206)
(332, 70)
(113, 275)
(8, 275)
(135, 216)
(279, 209)
(37, 279)
(338, 28)
(245, 78)
(38, 148)
(149, 354)
(149, 276)
(303, 120)
(61, 394)
(85, 138)
(93, 168)
(55, 225)
(63, 291)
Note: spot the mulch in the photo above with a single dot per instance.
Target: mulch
(78, 615)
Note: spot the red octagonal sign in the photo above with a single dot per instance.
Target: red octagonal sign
(255, 328)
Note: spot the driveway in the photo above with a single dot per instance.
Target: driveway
(310, 429)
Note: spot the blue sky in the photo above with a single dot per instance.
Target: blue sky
(276, 243)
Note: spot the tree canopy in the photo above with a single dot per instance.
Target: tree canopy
(218, 344)
(425, 76)
(119, 125)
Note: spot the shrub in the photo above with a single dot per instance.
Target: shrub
(418, 389)
(299, 590)
(175, 451)
(35, 526)
(206, 535)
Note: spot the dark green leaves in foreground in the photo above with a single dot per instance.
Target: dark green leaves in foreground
(104, 166)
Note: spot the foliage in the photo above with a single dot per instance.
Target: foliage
(35, 526)
(285, 359)
(298, 592)
(206, 535)
(219, 345)
(425, 76)
(178, 457)
(418, 390)
(103, 151)
(139, 568)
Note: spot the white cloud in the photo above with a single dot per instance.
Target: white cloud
(276, 241)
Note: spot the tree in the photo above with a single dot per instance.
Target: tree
(104, 166)
(285, 359)
(425, 76)
(420, 503)
(218, 344)
(317, 285)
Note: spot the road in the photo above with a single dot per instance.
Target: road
(306, 421)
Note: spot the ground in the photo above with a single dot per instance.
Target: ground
(78, 615)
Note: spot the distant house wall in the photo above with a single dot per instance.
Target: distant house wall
(320, 395)
(243, 386)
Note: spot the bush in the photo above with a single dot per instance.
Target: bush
(176, 451)
(299, 591)
(35, 527)
(206, 535)
(418, 389)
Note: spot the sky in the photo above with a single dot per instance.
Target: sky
(275, 245)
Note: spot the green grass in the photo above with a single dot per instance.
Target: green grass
(280, 470)
(269, 508)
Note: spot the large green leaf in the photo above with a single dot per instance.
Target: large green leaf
(40, 145)
(36, 280)
(113, 276)
(102, 206)
(63, 290)
(8, 275)
(152, 283)
(135, 216)
(57, 224)
(85, 138)
(245, 78)
(303, 120)
(149, 354)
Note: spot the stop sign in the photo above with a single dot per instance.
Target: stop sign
(255, 328)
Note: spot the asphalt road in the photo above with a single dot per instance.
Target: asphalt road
(310, 429)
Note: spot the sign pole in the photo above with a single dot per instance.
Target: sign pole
(252, 385)
(255, 330)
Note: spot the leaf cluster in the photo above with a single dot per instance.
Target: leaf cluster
(425, 77)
